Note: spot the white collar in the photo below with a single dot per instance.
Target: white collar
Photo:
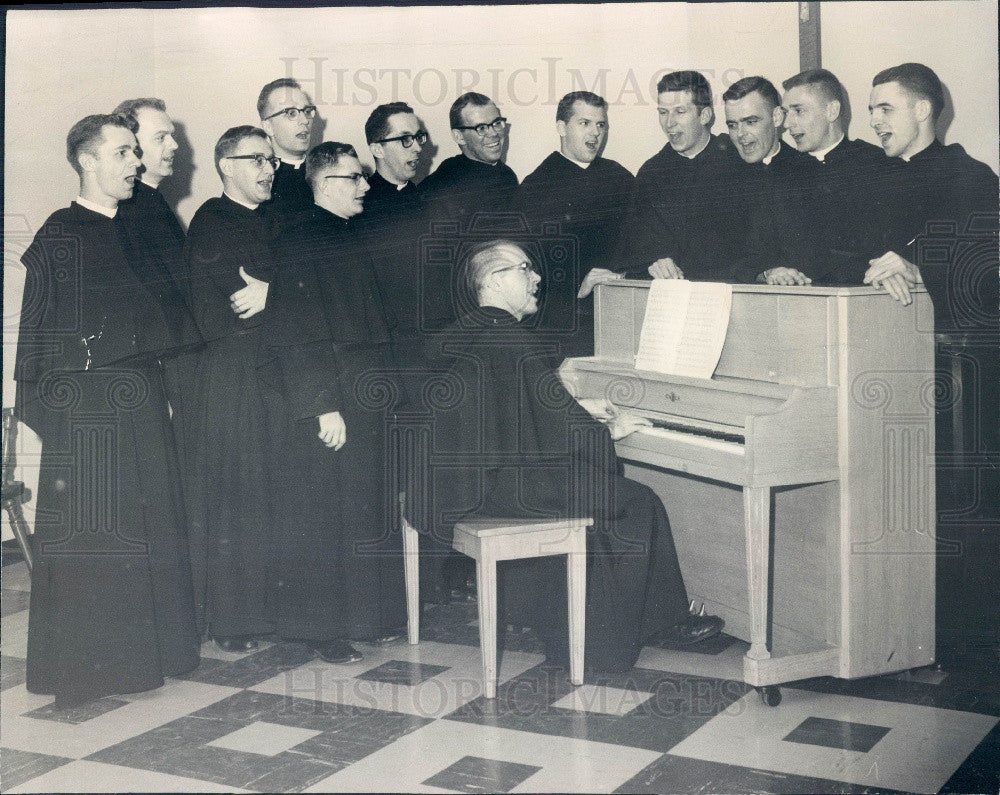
(574, 161)
(820, 154)
(238, 201)
(774, 153)
(293, 163)
(108, 212)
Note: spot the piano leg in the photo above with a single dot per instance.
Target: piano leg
(757, 521)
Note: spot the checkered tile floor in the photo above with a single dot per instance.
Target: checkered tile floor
(413, 719)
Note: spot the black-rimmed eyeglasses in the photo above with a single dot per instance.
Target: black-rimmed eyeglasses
(406, 140)
(497, 125)
(258, 159)
(293, 113)
(355, 178)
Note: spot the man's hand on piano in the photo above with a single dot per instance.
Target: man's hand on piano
(665, 268)
(895, 274)
(621, 424)
(783, 275)
(595, 277)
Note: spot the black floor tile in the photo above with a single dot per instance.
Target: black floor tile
(254, 668)
(680, 774)
(17, 767)
(13, 601)
(402, 672)
(76, 714)
(679, 705)
(12, 672)
(831, 733)
(980, 772)
(476, 774)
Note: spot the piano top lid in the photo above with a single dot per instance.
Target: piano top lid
(779, 289)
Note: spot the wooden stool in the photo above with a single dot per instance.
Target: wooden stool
(490, 540)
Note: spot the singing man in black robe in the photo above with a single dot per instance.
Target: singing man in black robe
(160, 246)
(585, 196)
(944, 233)
(688, 219)
(773, 184)
(843, 199)
(341, 570)
(528, 449)
(286, 115)
(229, 266)
(111, 608)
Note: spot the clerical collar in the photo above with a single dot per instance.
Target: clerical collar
(296, 164)
(773, 154)
(108, 212)
(695, 154)
(574, 161)
(249, 206)
(922, 151)
(396, 185)
(820, 154)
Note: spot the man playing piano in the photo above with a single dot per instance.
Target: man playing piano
(534, 452)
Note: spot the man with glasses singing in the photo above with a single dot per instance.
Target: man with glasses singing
(286, 115)
(341, 572)
(229, 265)
(475, 181)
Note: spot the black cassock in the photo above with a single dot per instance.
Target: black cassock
(691, 210)
(509, 441)
(587, 207)
(228, 479)
(341, 571)
(462, 188)
(159, 246)
(111, 608)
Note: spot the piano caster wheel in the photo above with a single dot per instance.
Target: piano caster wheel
(770, 695)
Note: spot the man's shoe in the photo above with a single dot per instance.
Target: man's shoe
(336, 651)
(237, 643)
(387, 638)
(691, 630)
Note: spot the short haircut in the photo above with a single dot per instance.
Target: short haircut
(231, 139)
(822, 80)
(564, 110)
(86, 135)
(479, 261)
(129, 109)
(377, 126)
(748, 85)
(468, 98)
(918, 81)
(325, 155)
(274, 85)
(694, 82)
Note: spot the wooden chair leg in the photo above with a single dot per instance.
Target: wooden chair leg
(411, 574)
(486, 581)
(576, 582)
(20, 528)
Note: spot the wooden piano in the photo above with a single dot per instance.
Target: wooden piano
(799, 479)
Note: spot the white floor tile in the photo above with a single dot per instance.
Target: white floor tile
(144, 711)
(83, 776)
(568, 765)
(16, 577)
(14, 634)
(596, 698)
(924, 747)
(266, 739)
(433, 698)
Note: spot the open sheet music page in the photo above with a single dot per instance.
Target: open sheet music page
(684, 328)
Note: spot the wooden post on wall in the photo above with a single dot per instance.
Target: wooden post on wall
(809, 44)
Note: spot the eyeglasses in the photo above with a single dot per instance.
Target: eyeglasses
(406, 140)
(523, 267)
(293, 113)
(355, 178)
(497, 125)
(258, 159)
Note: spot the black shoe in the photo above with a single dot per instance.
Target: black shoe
(237, 643)
(336, 651)
(463, 594)
(387, 637)
(691, 630)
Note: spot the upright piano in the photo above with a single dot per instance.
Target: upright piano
(799, 479)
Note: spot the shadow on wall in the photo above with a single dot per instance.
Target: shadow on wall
(177, 187)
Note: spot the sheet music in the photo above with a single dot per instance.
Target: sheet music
(684, 327)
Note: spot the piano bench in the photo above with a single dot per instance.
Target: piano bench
(488, 541)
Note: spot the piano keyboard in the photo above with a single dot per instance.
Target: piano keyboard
(696, 436)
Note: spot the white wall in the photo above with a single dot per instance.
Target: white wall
(958, 40)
